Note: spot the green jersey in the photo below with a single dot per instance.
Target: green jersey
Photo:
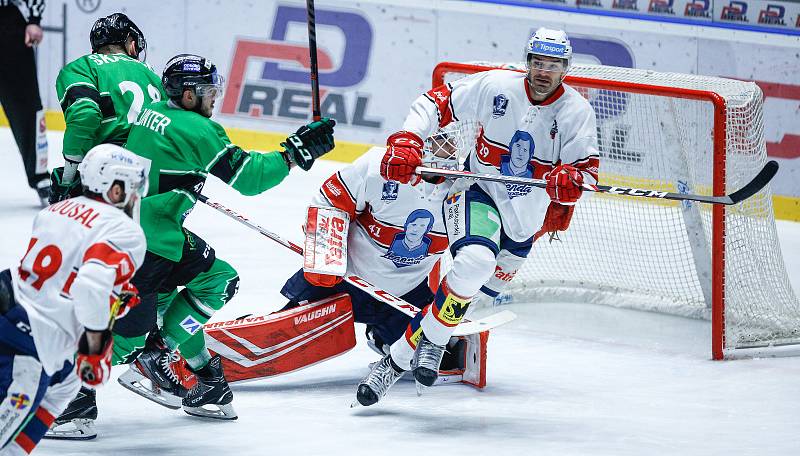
(101, 96)
(183, 148)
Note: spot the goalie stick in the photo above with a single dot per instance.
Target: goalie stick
(464, 328)
(751, 188)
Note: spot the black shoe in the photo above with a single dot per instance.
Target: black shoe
(211, 390)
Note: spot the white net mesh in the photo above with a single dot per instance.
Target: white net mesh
(656, 255)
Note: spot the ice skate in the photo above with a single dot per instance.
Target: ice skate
(154, 375)
(211, 397)
(426, 361)
(77, 421)
(383, 375)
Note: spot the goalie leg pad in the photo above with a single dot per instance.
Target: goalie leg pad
(464, 360)
(266, 345)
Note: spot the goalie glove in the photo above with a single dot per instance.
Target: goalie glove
(322, 280)
(564, 184)
(93, 365)
(557, 219)
(309, 143)
(403, 156)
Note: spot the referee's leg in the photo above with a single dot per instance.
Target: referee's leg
(19, 94)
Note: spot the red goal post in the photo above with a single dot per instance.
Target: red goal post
(687, 133)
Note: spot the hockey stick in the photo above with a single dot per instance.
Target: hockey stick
(751, 188)
(464, 328)
(312, 49)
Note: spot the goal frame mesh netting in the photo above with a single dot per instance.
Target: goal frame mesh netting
(684, 133)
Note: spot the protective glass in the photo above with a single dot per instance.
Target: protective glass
(213, 90)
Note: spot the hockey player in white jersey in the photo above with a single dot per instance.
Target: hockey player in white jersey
(396, 236)
(533, 126)
(59, 301)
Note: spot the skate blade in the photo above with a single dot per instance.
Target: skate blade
(77, 429)
(133, 381)
(221, 412)
(420, 388)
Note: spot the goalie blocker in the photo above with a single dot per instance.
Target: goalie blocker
(260, 346)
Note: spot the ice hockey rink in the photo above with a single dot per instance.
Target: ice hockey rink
(563, 379)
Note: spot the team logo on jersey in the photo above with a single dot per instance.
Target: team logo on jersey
(500, 105)
(517, 162)
(411, 245)
(389, 192)
(20, 401)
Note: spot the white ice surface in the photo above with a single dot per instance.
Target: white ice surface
(562, 379)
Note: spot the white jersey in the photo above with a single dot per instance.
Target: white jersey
(396, 232)
(80, 253)
(520, 137)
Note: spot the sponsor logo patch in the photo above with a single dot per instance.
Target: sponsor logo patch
(20, 401)
(190, 325)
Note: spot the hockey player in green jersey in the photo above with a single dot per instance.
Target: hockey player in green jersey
(183, 146)
(101, 94)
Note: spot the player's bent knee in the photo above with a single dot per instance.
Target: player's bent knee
(473, 266)
(217, 286)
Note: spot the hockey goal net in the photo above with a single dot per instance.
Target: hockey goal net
(678, 133)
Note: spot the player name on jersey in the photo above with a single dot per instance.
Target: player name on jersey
(75, 210)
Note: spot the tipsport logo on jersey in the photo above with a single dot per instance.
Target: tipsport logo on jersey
(269, 79)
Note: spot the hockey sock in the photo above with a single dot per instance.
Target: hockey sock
(194, 351)
(193, 306)
(184, 318)
(445, 313)
(126, 349)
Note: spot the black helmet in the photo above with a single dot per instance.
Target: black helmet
(115, 29)
(188, 71)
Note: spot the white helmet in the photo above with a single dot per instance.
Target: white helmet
(105, 164)
(550, 43)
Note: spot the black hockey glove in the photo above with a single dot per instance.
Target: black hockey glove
(310, 142)
(59, 191)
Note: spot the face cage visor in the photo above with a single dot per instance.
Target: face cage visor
(213, 90)
(552, 66)
(441, 151)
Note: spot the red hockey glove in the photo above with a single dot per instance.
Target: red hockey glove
(94, 369)
(564, 184)
(557, 219)
(129, 296)
(403, 155)
(322, 280)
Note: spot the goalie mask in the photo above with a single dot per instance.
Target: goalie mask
(448, 147)
(108, 164)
